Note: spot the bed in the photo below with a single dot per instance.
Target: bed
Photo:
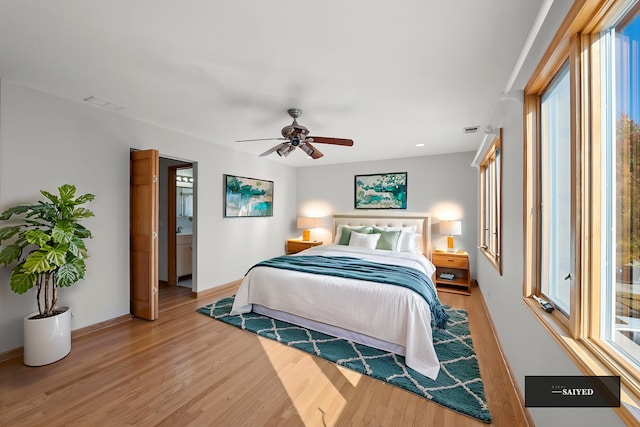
(341, 289)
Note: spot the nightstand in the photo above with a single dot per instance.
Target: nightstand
(456, 263)
(297, 245)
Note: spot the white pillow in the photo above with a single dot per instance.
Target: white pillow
(409, 242)
(360, 240)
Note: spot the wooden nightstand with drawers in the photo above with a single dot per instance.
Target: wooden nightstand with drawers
(452, 263)
(297, 245)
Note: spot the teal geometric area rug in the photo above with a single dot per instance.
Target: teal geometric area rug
(458, 386)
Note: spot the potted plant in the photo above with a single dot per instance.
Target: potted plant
(46, 244)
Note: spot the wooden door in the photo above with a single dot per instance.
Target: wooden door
(144, 233)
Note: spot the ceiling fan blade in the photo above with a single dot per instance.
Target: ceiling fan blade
(316, 154)
(335, 141)
(272, 149)
(262, 139)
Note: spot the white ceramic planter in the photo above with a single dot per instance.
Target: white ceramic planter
(47, 340)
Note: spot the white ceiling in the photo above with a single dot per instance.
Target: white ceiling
(388, 75)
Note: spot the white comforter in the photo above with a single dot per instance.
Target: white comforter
(389, 313)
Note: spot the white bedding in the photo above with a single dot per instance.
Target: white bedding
(385, 312)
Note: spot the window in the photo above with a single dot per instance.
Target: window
(491, 203)
(555, 185)
(582, 190)
(620, 325)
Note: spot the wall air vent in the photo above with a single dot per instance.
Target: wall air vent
(471, 129)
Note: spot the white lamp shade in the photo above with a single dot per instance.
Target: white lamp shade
(451, 228)
(307, 223)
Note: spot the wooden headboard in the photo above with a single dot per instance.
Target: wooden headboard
(422, 222)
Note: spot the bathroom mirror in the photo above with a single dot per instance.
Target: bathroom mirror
(184, 193)
(184, 202)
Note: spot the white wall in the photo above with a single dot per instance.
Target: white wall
(46, 141)
(443, 185)
(530, 350)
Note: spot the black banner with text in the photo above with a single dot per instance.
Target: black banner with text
(572, 391)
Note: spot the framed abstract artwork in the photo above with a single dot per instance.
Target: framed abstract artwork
(381, 191)
(247, 196)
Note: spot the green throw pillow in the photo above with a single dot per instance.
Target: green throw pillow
(346, 234)
(388, 239)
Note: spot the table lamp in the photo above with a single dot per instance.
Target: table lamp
(307, 223)
(450, 228)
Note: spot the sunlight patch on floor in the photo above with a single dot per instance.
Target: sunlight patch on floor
(351, 376)
(313, 385)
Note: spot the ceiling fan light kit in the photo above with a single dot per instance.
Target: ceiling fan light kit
(307, 150)
(285, 151)
(297, 135)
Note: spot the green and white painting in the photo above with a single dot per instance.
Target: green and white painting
(247, 196)
(381, 191)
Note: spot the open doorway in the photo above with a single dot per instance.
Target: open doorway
(183, 259)
(177, 226)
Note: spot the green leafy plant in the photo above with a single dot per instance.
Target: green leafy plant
(47, 243)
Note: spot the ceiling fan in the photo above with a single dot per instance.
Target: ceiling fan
(298, 136)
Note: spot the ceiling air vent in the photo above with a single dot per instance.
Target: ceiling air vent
(104, 104)
(471, 129)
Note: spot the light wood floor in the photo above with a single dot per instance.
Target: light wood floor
(187, 369)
